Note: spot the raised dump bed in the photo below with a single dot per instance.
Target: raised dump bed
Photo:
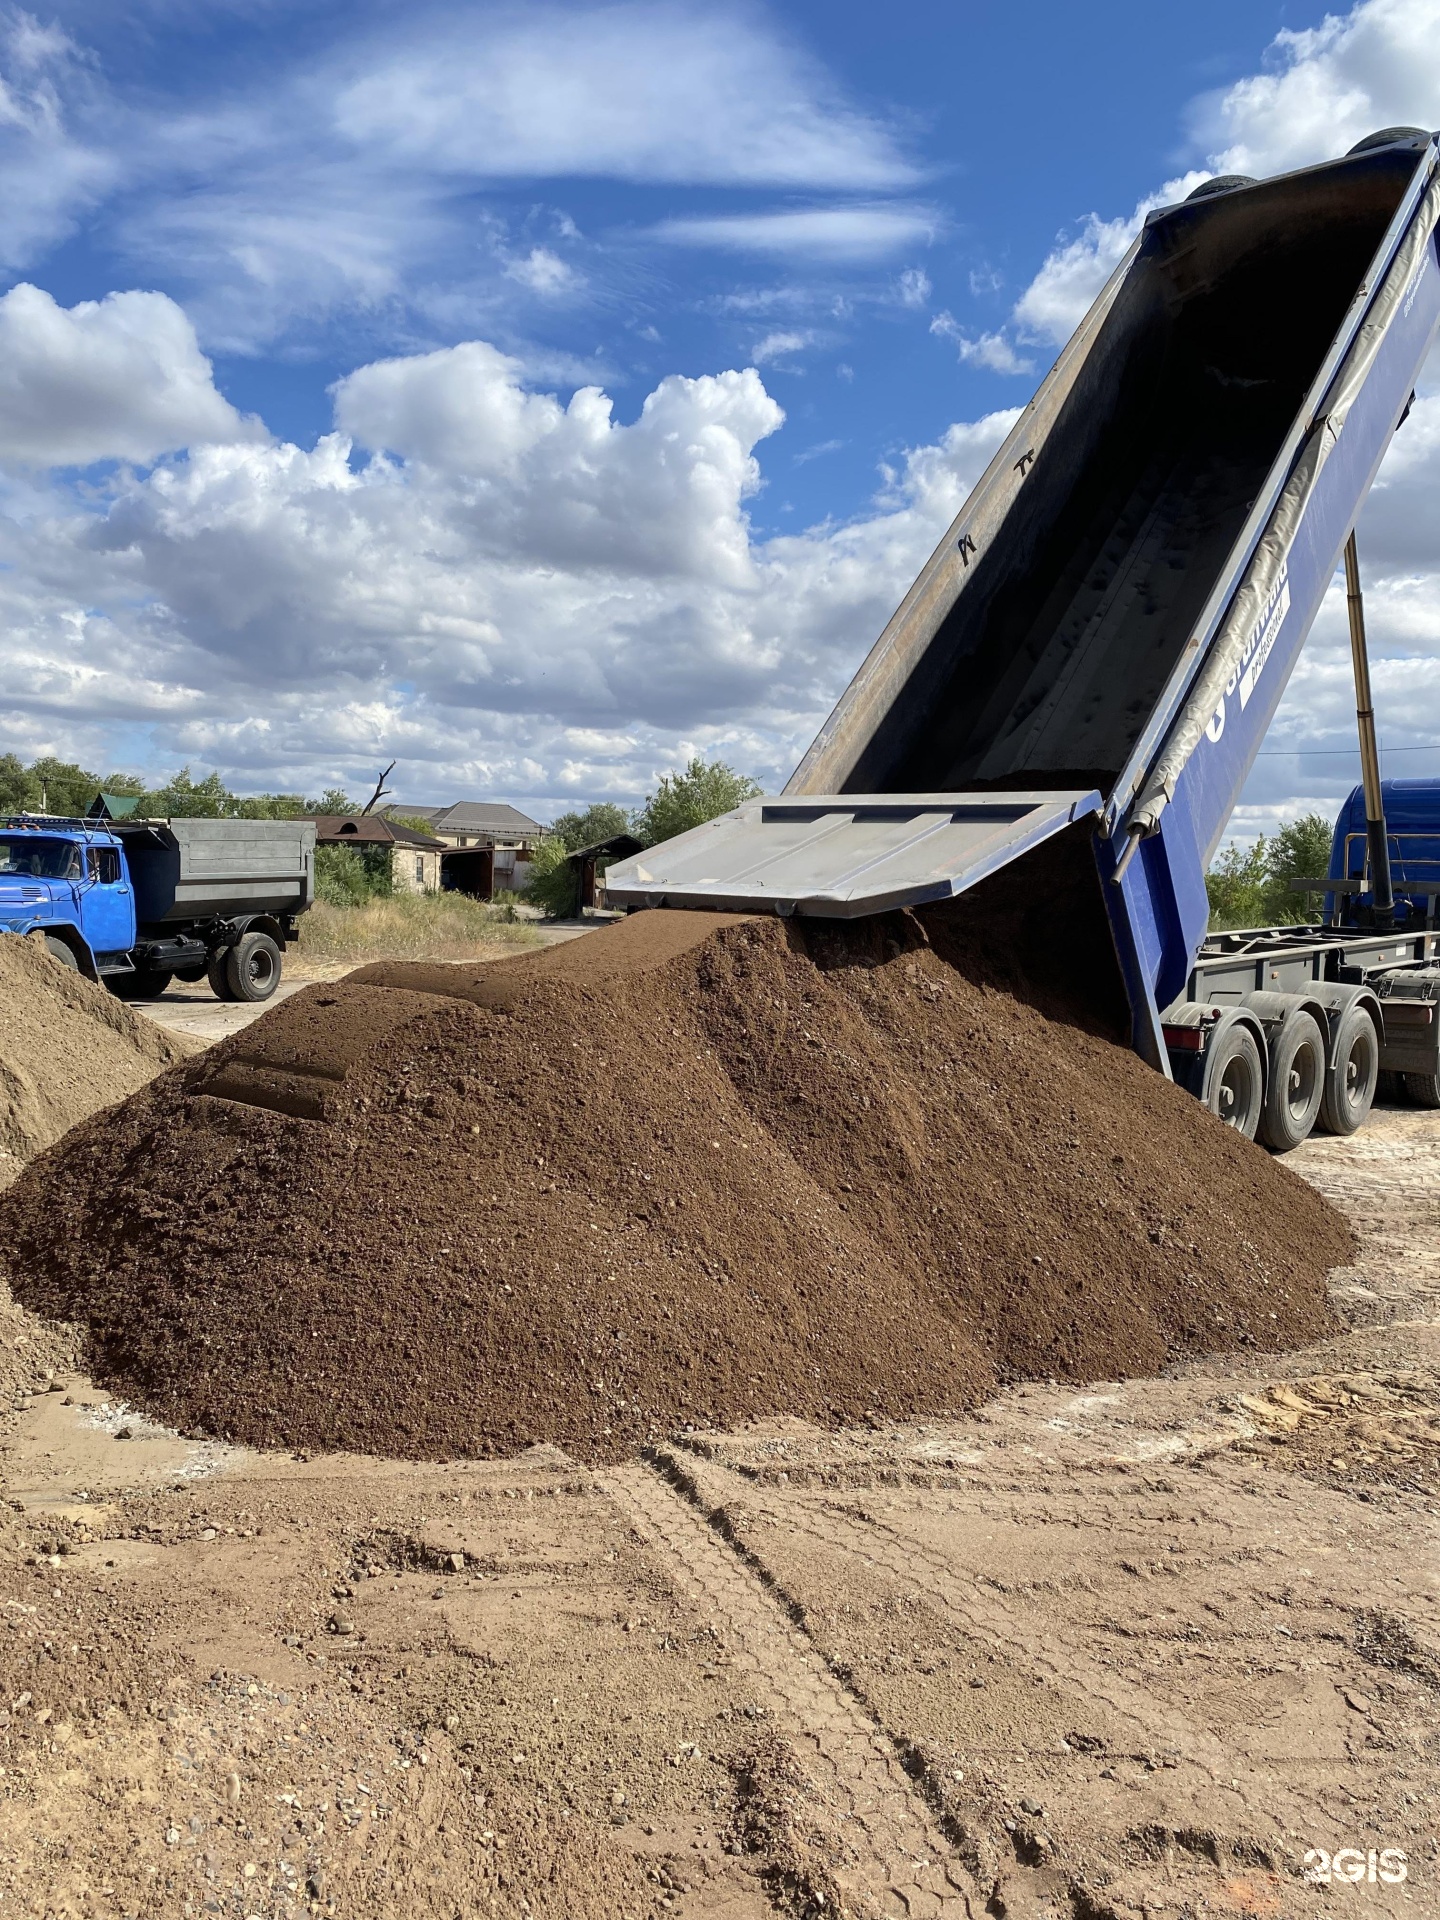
(1103, 636)
(1108, 626)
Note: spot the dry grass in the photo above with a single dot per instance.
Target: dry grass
(410, 926)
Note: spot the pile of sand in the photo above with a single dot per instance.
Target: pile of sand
(67, 1047)
(689, 1168)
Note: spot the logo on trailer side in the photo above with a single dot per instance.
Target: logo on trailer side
(1258, 648)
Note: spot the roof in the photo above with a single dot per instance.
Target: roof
(112, 806)
(366, 830)
(620, 845)
(411, 837)
(471, 816)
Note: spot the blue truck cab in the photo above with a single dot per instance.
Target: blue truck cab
(136, 904)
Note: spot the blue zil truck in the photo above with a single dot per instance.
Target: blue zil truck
(135, 904)
(1090, 659)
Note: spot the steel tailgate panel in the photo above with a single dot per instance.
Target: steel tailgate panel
(835, 856)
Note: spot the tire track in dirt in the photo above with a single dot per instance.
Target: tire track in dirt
(898, 1864)
(988, 1619)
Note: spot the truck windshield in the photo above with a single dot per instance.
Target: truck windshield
(41, 858)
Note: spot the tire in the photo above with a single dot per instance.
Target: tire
(1235, 1081)
(1351, 1076)
(252, 967)
(1389, 1089)
(1222, 183)
(217, 972)
(57, 950)
(1386, 137)
(145, 983)
(1296, 1085)
(1422, 1089)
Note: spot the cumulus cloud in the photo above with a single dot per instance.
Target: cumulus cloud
(1057, 299)
(990, 350)
(115, 379)
(1327, 87)
(512, 590)
(1323, 89)
(864, 231)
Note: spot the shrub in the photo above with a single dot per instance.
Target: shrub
(552, 881)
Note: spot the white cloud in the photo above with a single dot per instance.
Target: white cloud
(49, 173)
(1328, 87)
(114, 379)
(990, 350)
(1325, 88)
(504, 571)
(630, 91)
(1057, 299)
(544, 273)
(913, 288)
(865, 231)
(775, 346)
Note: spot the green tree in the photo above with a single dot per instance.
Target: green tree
(1236, 886)
(332, 800)
(184, 798)
(269, 806)
(684, 800)
(598, 822)
(1250, 886)
(65, 787)
(19, 789)
(1300, 850)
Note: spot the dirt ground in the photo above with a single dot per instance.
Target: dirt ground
(1131, 1651)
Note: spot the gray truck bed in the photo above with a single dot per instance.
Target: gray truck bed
(203, 869)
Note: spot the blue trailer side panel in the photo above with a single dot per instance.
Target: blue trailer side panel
(1211, 780)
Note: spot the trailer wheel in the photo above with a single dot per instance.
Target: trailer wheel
(1235, 1080)
(252, 967)
(57, 950)
(1351, 1077)
(1297, 1083)
(1422, 1089)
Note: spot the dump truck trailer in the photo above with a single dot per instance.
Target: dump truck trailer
(1098, 644)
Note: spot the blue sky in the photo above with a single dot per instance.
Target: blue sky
(542, 394)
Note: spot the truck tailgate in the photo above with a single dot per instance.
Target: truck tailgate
(842, 855)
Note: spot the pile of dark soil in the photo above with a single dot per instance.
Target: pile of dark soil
(687, 1169)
